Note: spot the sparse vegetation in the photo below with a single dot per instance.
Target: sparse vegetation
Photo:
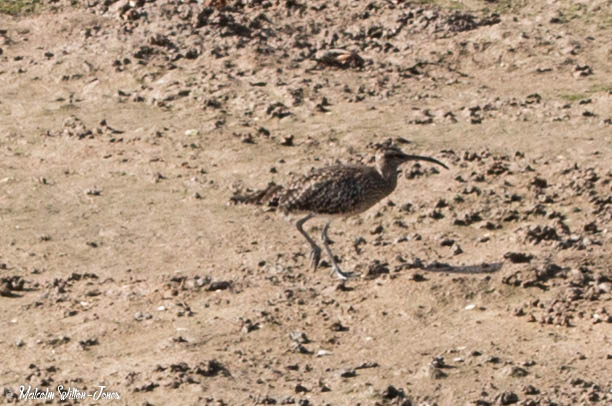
(17, 7)
(574, 97)
(572, 12)
(509, 6)
(601, 87)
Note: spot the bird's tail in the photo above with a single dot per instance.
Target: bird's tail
(263, 197)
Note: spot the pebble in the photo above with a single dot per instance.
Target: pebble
(299, 337)
(348, 373)
(140, 316)
(192, 132)
(513, 371)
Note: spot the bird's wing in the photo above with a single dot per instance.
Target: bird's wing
(331, 190)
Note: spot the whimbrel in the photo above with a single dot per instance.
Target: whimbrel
(336, 191)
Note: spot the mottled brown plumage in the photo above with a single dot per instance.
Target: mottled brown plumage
(340, 190)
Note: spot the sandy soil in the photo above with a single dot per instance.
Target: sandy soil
(126, 127)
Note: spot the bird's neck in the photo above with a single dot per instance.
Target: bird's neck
(388, 173)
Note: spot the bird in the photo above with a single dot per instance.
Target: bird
(335, 191)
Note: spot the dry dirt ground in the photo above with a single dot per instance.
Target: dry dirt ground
(126, 127)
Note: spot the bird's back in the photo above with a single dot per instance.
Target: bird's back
(336, 190)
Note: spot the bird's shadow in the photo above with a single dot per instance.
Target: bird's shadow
(485, 268)
(442, 267)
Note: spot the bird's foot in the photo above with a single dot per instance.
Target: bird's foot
(316, 257)
(344, 275)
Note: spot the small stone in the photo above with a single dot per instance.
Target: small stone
(287, 141)
(299, 388)
(438, 362)
(299, 337)
(247, 138)
(377, 269)
(93, 192)
(392, 392)
(140, 316)
(582, 71)
(219, 285)
(605, 287)
(192, 132)
(514, 371)
(417, 277)
(85, 344)
(348, 373)
(337, 326)
(508, 398)
(367, 364)
(377, 230)
(432, 372)
(299, 348)
(518, 257)
(447, 242)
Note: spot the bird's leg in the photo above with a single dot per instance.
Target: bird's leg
(316, 250)
(336, 270)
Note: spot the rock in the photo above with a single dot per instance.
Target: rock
(518, 257)
(140, 316)
(337, 326)
(530, 390)
(299, 388)
(299, 337)
(376, 269)
(605, 287)
(85, 344)
(582, 71)
(339, 58)
(513, 371)
(219, 285)
(192, 132)
(508, 398)
(431, 372)
(287, 140)
(391, 393)
(348, 373)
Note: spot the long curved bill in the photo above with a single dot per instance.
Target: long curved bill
(423, 158)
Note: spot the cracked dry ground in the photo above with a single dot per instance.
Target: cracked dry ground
(126, 127)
